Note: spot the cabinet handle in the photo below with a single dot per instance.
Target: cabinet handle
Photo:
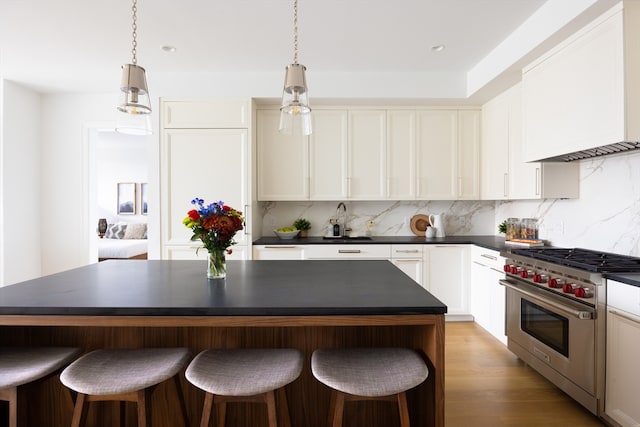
(407, 251)
(629, 317)
(349, 251)
(538, 181)
(407, 260)
(496, 270)
(279, 247)
(491, 257)
(246, 219)
(506, 185)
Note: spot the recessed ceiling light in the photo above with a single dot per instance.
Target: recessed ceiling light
(438, 48)
(168, 48)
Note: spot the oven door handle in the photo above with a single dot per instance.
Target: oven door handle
(578, 314)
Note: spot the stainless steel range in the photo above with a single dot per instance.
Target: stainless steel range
(556, 305)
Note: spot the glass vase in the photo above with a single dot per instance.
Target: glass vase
(216, 264)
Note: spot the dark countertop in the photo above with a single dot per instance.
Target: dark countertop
(252, 288)
(632, 279)
(495, 243)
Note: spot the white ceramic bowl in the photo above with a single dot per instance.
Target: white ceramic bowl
(287, 235)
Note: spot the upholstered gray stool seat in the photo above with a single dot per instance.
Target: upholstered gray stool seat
(124, 375)
(250, 375)
(368, 373)
(22, 365)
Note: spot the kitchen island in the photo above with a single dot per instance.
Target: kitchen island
(300, 304)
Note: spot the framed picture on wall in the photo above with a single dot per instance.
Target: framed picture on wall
(126, 198)
(143, 198)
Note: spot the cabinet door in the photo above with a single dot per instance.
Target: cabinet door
(494, 157)
(216, 113)
(468, 154)
(623, 376)
(437, 155)
(282, 160)
(366, 157)
(328, 155)
(447, 275)
(401, 155)
(207, 163)
(412, 267)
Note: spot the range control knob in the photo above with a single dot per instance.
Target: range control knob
(525, 274)
(507, 268)
(537, 278)
(568, 288)
(553, 283)
(581, 292)
(514, 269)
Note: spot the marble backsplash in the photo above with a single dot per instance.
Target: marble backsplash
(606, 217)
(389, 218)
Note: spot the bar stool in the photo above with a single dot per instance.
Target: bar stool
(368, 374)
(245, 375)
(22, 365)
(125, 375)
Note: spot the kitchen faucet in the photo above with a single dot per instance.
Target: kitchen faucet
(345, 227)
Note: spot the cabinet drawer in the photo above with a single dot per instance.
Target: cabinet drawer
(262, 252)
(348, 252)
(623, 297)
(406, 251)
(487, 258)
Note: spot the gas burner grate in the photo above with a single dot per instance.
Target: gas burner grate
(584, 259)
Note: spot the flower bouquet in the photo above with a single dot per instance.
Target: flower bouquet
(215, 225)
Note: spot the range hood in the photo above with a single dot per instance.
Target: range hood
(604, 150)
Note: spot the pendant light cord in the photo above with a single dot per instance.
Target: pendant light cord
(134, 34)
(295, 31)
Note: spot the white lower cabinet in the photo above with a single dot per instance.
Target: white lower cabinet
(194, 252)
(347, 251)
(446, 276)
(623, 347)
(487, 296)
(271, 252)
(409, 259)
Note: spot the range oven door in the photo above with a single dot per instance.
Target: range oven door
(560, 334)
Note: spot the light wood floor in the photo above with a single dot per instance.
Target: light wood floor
(488, 386)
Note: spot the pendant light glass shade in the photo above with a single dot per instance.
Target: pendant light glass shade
(295, 101)
(134, 88)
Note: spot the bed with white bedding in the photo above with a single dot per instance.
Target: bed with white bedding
(123, 241)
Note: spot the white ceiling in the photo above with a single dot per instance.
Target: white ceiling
(79, 45)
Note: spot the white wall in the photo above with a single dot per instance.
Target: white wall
(606, 217)
(21, 230)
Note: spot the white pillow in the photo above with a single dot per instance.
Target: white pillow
(136, 231)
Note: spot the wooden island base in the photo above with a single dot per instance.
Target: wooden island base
(308, 400)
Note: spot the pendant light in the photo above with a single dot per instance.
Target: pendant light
(295, 111)
(135, 104)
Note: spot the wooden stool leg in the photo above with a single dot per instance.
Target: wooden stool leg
(283, 408)
(336, 409)
(206, 410)
(12, 396)
(144, 408)
(80, 410)
(403, 409)
(271, 408)
(183, 404)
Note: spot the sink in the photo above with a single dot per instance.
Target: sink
(344, 238)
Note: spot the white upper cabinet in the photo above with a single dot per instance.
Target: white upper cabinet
(504, 173)
(448, 143)
(209, 113)
(282, 161)
(328, 155)
(366, 178)
(401, 155)
(585, 92)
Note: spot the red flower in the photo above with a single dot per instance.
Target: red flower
(193, 214)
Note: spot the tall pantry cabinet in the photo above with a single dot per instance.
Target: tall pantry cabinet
(204, 153)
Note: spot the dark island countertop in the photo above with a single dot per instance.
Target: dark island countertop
(252, 288)
(495, 243)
